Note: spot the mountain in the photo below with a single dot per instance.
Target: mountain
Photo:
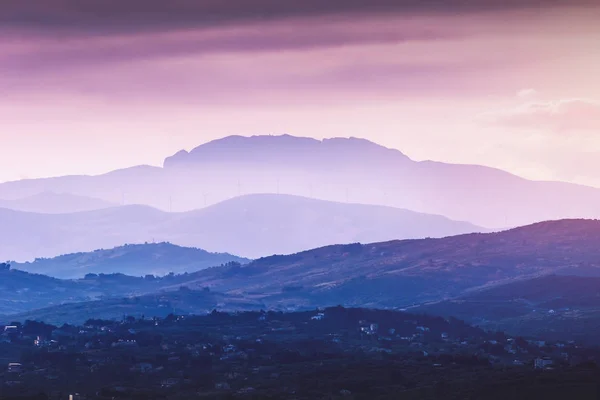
(55, 203)
(399, 274)
(135, 259)
(410, 274)
(555, 307)
(339, 169)
(266, 224)
(289, 150)
(251, 226)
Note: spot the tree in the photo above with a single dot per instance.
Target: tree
(37, 328)
(171, 318)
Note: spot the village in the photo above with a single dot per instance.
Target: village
(253, 351)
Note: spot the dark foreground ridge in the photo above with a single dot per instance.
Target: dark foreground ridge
(330, 353)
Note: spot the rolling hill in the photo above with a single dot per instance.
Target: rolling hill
(55, 203)
(251, 226)
(408, 274)
(339, 169)
(402, 273)
(135, 260)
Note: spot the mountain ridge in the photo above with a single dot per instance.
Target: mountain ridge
(256, 147)
(400, 273)
(391, 275)
(350, 170)
(250, 226)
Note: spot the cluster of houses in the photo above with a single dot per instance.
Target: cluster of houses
(509, 346)
(99, 344)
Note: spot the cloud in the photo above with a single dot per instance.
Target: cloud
(33, 52)
(559, 116)
(526, 93)
(134, 15)
(208, 50)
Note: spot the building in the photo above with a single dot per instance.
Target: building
(11, 328)
(125, 343)
(142, 367)
(15, 368)
(542, 363)
(167, 383)
(318, 317)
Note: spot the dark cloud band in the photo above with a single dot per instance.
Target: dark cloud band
(125, 15)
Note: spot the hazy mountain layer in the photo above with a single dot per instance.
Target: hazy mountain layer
(353, 170)
(250, 226)
(55, 203)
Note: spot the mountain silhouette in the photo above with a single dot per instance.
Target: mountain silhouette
(340, 169)
(250, 226)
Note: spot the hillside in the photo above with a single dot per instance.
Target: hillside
(55, 203)
(135, 259)
(339, 169)
(401, 273)
(554, 307)
(396, 274)
(181, 302)
(250, 226)
(22, 292)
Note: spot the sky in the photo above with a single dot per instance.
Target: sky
(89, 86)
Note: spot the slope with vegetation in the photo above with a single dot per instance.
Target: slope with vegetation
(133, 259)
(400, 273)
(554, 307)
(22, 291)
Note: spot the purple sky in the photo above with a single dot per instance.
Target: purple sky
(89, 86)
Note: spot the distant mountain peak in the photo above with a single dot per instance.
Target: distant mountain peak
(285, 148)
